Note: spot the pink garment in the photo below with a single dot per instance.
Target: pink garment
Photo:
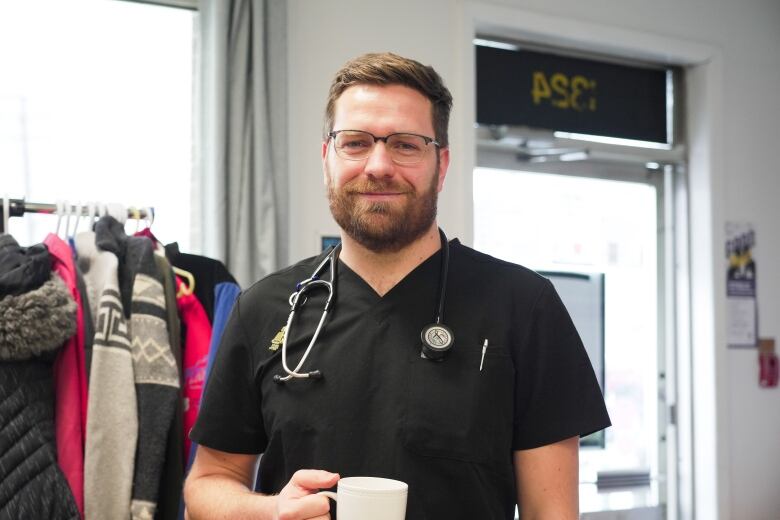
(70, 381)
(194, 357)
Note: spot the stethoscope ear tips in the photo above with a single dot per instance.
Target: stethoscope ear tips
(316, 374)
(278, 379)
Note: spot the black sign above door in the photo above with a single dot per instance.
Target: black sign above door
(553, 92)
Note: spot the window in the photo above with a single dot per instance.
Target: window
(96, 105)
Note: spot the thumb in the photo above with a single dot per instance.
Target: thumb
(314, 479)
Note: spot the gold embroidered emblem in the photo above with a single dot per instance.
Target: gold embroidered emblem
(278, 339)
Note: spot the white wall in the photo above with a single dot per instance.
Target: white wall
(322, 37)
(734, 105)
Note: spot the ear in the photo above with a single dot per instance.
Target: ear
(324, 161)
(444, 163)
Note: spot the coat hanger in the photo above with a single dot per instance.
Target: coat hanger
(6, 213)
(79, 210)
(92, 214)
(68, 213)
(60, 212)
(188, 288)
(135, 214)
(148, 218)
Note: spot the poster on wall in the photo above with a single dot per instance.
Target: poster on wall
(741, 306)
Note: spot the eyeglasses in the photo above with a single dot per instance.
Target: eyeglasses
(357, 145)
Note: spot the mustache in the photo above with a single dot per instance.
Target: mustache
(377, 186)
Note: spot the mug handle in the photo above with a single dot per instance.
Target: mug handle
(329, 494)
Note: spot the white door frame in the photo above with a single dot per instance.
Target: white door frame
(703, 437)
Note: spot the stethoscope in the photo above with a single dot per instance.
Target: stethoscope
(437, 338)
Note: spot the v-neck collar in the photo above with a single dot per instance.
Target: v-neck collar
(427, 271)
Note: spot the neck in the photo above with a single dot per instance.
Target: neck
(382, 271)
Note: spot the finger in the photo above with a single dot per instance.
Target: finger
(314, 479)
(309, 506)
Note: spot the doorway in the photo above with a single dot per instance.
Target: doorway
(606, 215)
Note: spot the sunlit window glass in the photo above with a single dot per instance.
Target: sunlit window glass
(96, 105)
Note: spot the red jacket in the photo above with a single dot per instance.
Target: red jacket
(70, 381)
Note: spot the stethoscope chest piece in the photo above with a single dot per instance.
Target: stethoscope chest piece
(437, 339)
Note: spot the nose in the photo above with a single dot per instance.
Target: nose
(379, 162)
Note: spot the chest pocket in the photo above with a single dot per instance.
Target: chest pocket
(455, 410)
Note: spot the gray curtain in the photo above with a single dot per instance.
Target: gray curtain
(240, 181)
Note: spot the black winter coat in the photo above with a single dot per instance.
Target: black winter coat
(34, 323)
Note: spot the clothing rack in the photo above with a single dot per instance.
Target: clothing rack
(18, 207)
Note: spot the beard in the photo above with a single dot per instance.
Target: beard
(383, 227)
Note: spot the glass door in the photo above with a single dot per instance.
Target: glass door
(596, 223)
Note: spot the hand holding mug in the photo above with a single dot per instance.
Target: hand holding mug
(299, 499)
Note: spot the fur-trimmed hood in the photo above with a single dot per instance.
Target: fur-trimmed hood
(22, 269)
(37, 322)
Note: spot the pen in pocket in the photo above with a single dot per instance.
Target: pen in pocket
(484, 349)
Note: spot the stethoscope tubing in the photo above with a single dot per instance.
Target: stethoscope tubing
(297, 299)
(295, 373)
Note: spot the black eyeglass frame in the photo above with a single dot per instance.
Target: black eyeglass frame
(428, 140)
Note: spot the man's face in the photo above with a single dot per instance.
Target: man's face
(382, 205)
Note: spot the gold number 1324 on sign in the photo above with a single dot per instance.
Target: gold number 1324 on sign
(564, 92)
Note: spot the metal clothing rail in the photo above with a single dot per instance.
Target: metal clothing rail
(18, 207)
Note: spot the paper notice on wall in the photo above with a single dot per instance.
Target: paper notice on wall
(741, 308)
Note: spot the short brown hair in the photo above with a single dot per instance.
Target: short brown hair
(390, 69)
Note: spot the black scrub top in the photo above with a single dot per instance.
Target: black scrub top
(447, 428)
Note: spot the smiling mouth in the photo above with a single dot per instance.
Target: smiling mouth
(380, 194)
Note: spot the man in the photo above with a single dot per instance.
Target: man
(495, 421)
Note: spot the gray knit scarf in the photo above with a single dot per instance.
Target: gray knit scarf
(37, 322)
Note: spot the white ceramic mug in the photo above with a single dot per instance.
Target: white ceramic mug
(362, 498)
